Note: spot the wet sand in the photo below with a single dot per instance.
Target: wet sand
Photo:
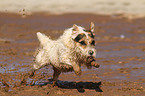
(121, 55)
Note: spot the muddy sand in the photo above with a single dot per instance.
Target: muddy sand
(120, 53)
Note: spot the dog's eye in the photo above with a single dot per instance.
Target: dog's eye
(93, 43)
(83, 43)
(79, 37)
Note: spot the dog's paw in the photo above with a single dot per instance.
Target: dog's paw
(54, 84)
(78, 73)
(77, 69)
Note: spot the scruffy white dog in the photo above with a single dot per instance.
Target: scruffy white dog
(75, 47)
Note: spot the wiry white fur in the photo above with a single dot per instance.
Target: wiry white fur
(60, 51)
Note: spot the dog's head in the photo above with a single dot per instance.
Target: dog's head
(84, 40)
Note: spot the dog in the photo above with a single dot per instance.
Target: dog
(75, 47)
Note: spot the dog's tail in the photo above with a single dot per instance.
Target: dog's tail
(43, 38)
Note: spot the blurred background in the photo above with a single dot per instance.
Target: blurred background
(131, 7)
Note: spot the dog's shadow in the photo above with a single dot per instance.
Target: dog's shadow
(80, 86)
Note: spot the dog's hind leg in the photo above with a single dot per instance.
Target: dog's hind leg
(35, 68)
(30, 74)
(56, 74)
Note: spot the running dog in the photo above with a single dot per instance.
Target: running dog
(75, 47)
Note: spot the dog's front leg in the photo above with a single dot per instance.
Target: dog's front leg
(56, 74)
(76, 69)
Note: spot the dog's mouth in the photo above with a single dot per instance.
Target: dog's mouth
(90, 59)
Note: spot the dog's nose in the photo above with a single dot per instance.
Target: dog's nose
(91, 52)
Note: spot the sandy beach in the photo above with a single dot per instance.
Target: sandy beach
(120, 38)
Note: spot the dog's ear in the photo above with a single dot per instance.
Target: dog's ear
(75, 31)
(75, 27)
(92, 26)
